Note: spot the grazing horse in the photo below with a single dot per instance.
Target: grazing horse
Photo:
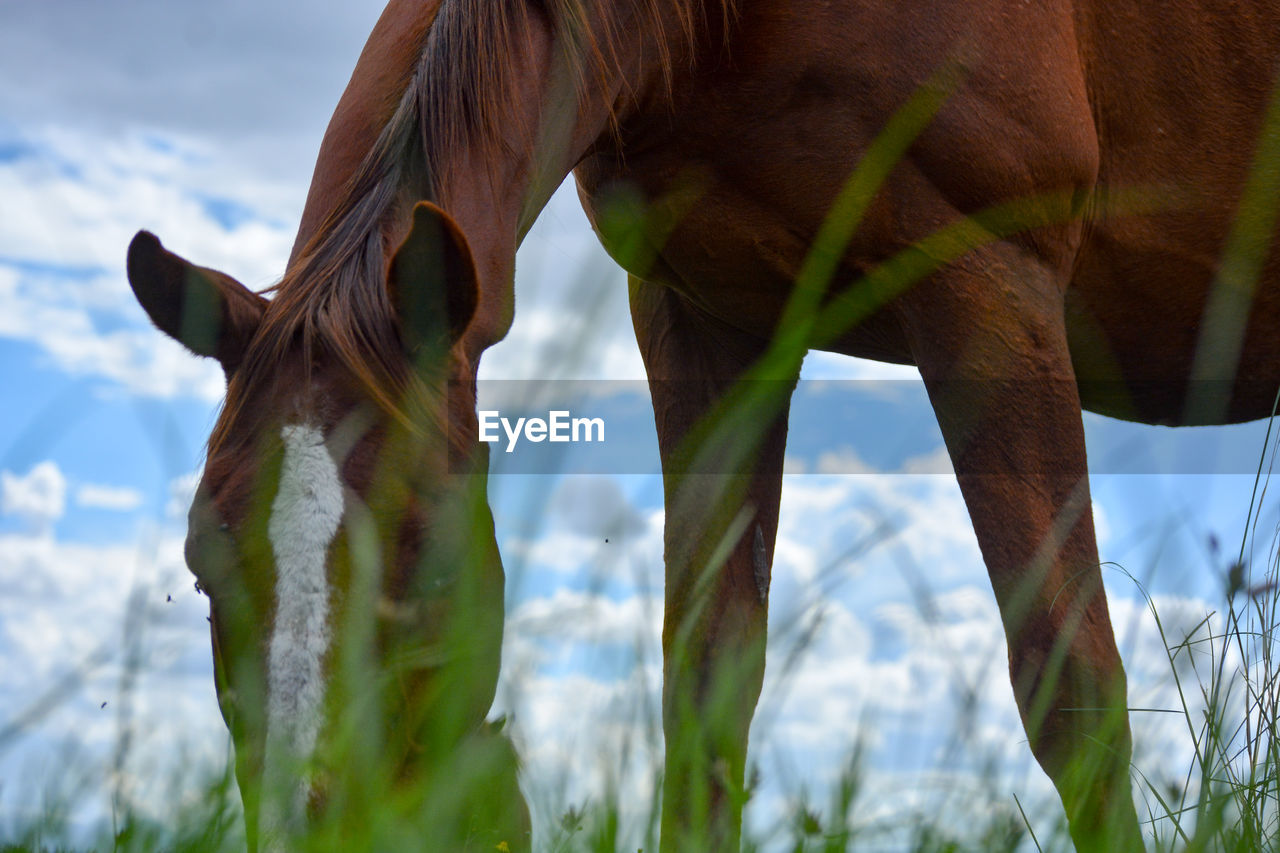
(1030, 201)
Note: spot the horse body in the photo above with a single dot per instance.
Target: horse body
(1181, 107)
(1057, 96)
(736, 128)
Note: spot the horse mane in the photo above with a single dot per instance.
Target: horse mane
(332, 299)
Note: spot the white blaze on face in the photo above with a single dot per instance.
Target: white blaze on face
(304, 520)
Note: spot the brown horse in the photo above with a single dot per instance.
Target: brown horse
(1029, 201)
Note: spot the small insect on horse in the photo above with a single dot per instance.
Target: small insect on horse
(811, 178)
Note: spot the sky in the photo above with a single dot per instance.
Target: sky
(201, 123)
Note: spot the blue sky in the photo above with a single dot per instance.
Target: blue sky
(202, 124)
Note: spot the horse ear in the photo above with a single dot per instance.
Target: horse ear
(432, 281)
(206, 311)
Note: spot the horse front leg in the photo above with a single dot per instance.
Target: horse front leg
(721, 521)
(994, 357)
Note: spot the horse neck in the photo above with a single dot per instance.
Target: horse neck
(379, 79)
(493, 188)
(495, 191)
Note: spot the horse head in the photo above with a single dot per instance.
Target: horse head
(342, 534)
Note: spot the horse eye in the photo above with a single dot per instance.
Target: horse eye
(224, 528)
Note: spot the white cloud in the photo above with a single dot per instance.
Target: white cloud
(595, 506)
(882, 524)
(1101, 525)
(583, 740)
(39, 497)
(113, 498)
(937, 461)
(589, 530)
(84, 196)
(258, 81)
(555, 550)
(572, 320)
(583, 617)
(97, 638)
(141, 359)
(62, 282)
(794, 465)
(826, 365)
(843, 461)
